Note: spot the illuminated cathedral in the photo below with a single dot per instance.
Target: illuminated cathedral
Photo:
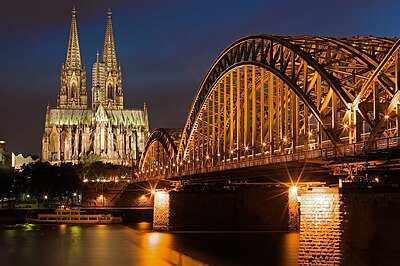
(74, 130)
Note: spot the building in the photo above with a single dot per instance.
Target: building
(104, 129)
(5, 156)
(14, 161)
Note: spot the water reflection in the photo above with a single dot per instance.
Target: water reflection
(350, 229)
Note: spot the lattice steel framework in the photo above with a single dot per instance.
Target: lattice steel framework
(267, 95)
(160, 150)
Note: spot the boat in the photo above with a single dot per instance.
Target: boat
(65, 215)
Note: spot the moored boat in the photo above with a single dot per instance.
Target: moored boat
(65, 215)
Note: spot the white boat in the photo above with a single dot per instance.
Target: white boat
(72, 216)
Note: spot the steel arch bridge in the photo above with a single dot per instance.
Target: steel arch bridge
(269, 96)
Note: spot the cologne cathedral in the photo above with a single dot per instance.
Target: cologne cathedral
(73, 130)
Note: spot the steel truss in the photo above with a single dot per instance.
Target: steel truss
(268, 95)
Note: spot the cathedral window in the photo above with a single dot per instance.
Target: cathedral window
(54, 142)
(73, 91)
(110, 92)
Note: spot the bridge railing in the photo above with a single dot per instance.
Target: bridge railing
(329, 153)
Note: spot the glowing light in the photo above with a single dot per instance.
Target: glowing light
(285, 139)
(376, 180)
(197, 159)
(219, 154)
(45, 197)
(264, 144)
(143, 197)
(386, 116)
(293, 189)
(97, 180)
(173, 164)
(153, 191)
(180, 163)
(207, 157)
(74, 194)
(231, 151)
(27, 195)
(85, 180)
(246, 148)
(154, 240)
(345, 125)
(310, 133)
(166, 166)
(188, 161)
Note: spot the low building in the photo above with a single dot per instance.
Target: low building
(5, 156)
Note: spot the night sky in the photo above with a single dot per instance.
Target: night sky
(164, 48)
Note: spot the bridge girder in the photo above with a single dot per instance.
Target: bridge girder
(300, 62)
(267, 95)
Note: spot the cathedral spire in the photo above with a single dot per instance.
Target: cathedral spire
(109, 55)
(72, 92)
(73, 60)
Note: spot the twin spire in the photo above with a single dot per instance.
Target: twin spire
(106, 78)
(109, 55)
(73, 59)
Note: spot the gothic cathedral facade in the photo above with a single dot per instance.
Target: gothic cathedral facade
(73, 130)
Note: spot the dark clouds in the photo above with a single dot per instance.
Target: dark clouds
(165, 48)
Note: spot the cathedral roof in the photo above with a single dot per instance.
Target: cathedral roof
(73, 59)
(124, 117)
(70, 116)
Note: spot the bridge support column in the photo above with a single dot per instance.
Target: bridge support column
(320, 231)
(293, 209)
(161, 213)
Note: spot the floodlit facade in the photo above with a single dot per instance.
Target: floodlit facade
(105, 129)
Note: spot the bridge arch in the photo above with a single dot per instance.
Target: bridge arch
(160, 150)
(322, 75)
(276, 95)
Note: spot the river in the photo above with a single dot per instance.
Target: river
(137, 244)
(335, 229)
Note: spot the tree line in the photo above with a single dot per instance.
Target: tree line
(41, 179)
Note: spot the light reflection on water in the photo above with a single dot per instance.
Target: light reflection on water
(138, 245)
(350, 230)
